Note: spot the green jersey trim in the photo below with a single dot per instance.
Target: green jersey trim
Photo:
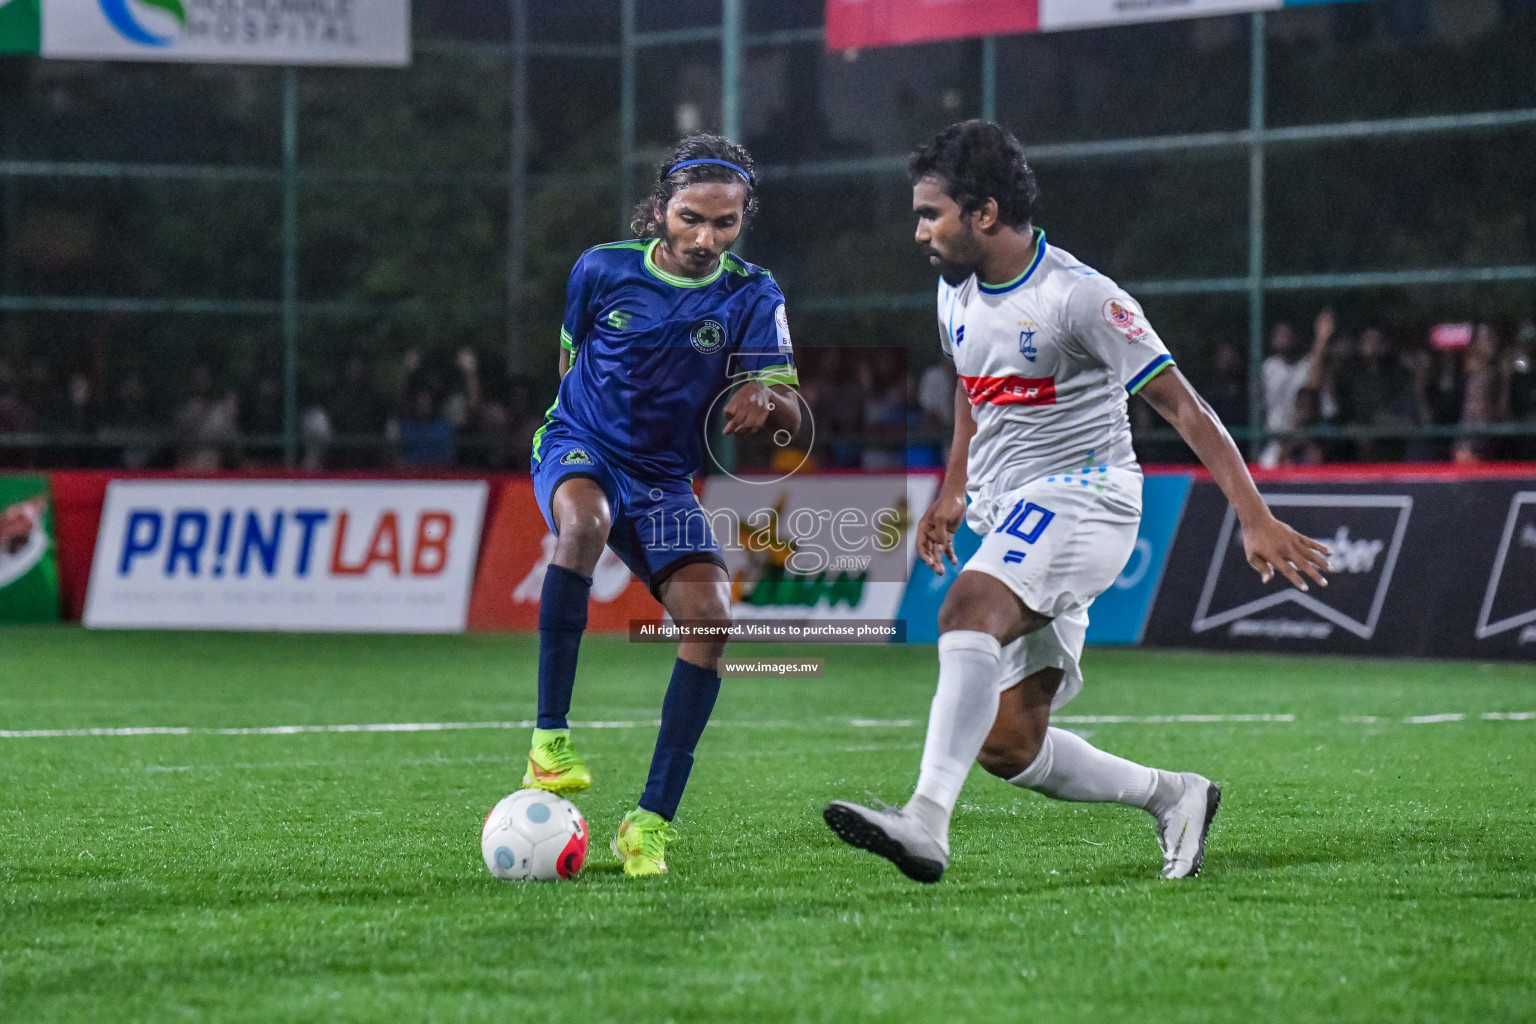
(736, 265)
(1152, 369)
(995, 289)
(566, 341)
(770, 376)
(538, 436)
(674, 279)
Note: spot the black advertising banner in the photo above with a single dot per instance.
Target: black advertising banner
(1442, 569)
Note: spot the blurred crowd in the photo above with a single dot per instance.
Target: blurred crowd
(868, 411)
(1348, 395)
(414, 412)
(1328, 401)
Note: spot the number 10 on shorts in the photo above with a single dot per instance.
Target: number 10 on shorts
(1027, 522)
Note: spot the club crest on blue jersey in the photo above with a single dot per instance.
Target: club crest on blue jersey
(707, 336)
(575, 457)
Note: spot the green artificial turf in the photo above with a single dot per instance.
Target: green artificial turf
(1359, 871)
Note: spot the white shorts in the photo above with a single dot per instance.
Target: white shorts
(1058, 544)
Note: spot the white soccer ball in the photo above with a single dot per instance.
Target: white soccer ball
(534, 834)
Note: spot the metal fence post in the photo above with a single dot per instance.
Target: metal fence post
(626, 114)
(989, 78)
(517, 190)
(730, 69)
(290, 266)
(1256, 210)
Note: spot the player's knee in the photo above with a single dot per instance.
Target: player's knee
(961, 611)
(583, 531)
(1007, 758)
(710, 631)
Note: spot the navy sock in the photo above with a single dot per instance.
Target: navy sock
(562, 620)
(690, 699)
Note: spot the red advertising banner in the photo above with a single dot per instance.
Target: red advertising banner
(516, 553)
(852, 23)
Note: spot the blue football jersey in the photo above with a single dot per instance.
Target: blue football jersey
(651, 353)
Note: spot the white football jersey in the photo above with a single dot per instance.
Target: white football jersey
(1048, 361)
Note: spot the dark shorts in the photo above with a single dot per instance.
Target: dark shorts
(658, 526)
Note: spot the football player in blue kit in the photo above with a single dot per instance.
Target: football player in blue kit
(657, 330)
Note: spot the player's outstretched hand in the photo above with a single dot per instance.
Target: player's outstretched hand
(936, 531)
(1273, 547)
(748, 409)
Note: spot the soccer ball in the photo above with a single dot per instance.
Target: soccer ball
(534, 834)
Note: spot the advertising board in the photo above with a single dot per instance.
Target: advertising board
(302, 556)
(1441, 568)
(856, 23)
(516, 554)
(29, 575)
(818, 547)
(344, 32)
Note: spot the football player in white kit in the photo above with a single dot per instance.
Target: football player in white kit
(1047, 351)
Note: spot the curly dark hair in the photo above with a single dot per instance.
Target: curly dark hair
(977, 161)
(698, 146)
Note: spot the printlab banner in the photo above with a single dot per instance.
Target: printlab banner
(322, 556)
(852, 23)
(1435, 569)
(29, 575)
(346, 32)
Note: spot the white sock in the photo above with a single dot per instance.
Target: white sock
(964, 708)
(1070, 768)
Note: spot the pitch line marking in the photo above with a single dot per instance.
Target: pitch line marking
(1165, 719)
(857, 723)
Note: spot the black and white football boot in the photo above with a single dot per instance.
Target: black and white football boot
(891, 834)
(1183, 828)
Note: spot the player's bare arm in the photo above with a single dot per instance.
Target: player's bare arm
(936, 530)
(1271, 545)
(755, 407)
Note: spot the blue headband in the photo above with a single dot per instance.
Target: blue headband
(719, 163)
